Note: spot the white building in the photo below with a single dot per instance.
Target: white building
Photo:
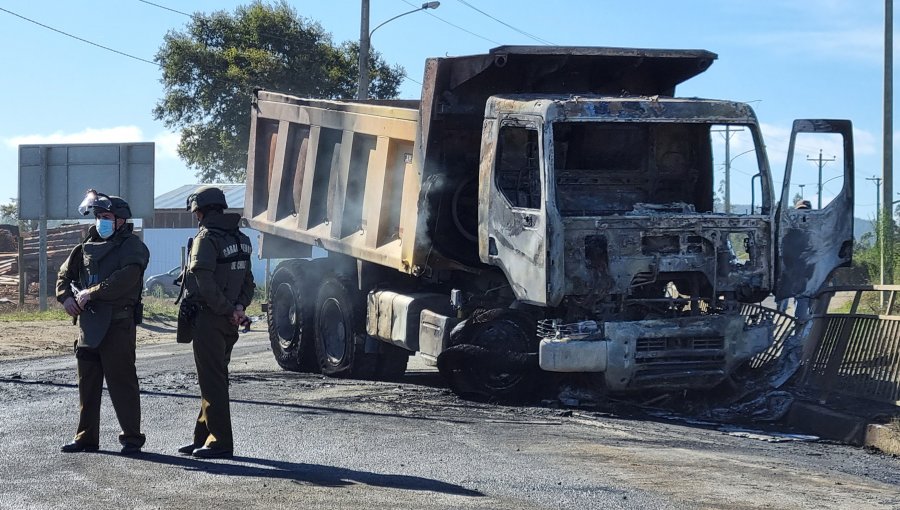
(167, 233)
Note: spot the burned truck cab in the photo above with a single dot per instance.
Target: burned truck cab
(607, 211)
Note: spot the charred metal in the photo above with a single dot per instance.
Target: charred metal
(541, 188)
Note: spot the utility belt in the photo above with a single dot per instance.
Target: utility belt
(135, 312)
(187, 320)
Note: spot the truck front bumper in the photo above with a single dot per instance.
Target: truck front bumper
(689, 352)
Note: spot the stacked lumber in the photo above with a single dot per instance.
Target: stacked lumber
(60, 242)
(9, 268)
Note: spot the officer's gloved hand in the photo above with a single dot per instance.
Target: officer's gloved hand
(71, 306)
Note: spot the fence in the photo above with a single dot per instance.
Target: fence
(855, 353)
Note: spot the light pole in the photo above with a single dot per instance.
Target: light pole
(728, 161)
(365, 37)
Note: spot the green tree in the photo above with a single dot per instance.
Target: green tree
(210, 69)
(9, 213)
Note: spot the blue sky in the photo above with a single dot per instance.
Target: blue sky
(789, 58)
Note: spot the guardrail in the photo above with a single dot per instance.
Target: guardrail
(857, 352)
(784, 326)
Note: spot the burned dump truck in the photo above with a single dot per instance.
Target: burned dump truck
(540, 209)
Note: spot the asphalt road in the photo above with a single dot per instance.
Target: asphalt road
(304, 441)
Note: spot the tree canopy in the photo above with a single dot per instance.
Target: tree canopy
(210, 69)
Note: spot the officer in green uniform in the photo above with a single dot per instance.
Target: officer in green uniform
(218, 286)
(100, 286)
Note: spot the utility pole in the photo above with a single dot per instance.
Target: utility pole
(362, 90)
(821, 163)
(728, 132)
(877, 181)
(365, 41)
(801, 189)
(887, 172)
(878, 236)
(727, 170)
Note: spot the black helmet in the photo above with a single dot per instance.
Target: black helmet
(205, 196)
(94, 202)
(120, 207)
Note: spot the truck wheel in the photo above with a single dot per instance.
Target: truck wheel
(340, 338)
(290, 320)
(492, 357)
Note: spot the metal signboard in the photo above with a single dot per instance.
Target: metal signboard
(53, 178)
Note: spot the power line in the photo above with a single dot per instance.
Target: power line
(107, 48)
(167, 8)
(455, 26)
(200, 17)
(536, 38)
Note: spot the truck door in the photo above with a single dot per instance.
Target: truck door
(513, 223)
(814, 234)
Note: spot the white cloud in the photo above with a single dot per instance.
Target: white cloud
(119, 134)
(167, 145)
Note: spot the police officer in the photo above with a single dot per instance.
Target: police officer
(100, 286)
(218, 287)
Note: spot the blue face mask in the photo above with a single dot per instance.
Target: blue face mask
(105, 227)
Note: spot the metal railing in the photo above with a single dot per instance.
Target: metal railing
(783, 327)
(857, 352)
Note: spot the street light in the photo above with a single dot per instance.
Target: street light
(728, 161)
(362, 91)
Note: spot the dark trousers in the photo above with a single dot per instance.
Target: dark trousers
(113, 360)
(214, 338)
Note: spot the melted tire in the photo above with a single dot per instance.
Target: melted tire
(340, 332)
(492, 357)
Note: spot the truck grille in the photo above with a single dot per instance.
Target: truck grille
(679, 349)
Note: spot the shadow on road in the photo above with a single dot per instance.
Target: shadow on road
(325, 476)
(159, 326)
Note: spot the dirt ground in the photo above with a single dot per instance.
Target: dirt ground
(29, 339)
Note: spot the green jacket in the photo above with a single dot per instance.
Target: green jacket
(111, 270)
(218, 273)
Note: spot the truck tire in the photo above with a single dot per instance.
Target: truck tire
(290, 319)
(340, 333)
(493, 356)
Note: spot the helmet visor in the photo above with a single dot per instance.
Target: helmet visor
(93, 201)
(189, 202)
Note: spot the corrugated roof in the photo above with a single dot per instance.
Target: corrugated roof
(175, 199)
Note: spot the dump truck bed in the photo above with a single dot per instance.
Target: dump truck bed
(371, 179)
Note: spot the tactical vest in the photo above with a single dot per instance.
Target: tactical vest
(233, 249)
(100, 258)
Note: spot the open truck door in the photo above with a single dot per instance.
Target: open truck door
(515, 223)
(815, 236)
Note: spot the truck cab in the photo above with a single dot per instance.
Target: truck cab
(604, 209)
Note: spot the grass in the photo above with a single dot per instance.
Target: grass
(30, 313)
(160, 309)
(869, 303)
(155, 309)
